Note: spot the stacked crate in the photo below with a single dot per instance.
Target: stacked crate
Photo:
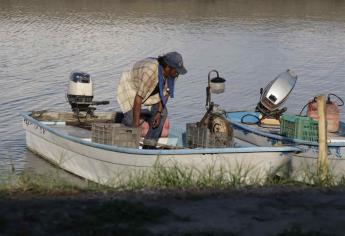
(201, 137)
(115, 134)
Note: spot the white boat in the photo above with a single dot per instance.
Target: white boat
(305, 169)
(70, 148)
(269, 135)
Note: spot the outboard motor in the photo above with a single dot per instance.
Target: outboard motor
(80, 93)
(275, 95)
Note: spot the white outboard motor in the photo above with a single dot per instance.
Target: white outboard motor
(275, 94)
(80, 93)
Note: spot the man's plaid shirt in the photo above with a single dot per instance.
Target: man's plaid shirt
(142, 80)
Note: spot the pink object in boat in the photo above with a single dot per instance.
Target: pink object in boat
(144, 128)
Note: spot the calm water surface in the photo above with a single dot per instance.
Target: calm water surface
(248, 42)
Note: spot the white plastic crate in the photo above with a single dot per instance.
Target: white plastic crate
(115, 134)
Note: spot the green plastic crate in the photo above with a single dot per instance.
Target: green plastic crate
(299, 127)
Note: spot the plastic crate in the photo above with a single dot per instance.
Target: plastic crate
(299, 127)
(115, 134)
(201, 137)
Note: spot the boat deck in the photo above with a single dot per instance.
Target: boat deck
(71, 130)
(174, 139)
(175, 134)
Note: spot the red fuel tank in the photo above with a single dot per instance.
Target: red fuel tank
(332, 114)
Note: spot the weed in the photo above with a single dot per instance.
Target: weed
(29, 182)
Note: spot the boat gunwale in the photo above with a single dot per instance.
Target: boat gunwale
(26, 115)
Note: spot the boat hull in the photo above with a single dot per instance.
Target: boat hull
(305, 169)
(107, 164)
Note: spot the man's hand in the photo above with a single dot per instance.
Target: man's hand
(156, 120)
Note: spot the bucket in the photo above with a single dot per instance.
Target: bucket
(332, 114)
(217, 84)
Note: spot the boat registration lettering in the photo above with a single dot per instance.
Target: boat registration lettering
(28, 123)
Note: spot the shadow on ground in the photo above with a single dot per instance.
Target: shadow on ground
(258, 211)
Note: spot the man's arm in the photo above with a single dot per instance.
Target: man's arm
(157, 116)
(160, 105)
(136, 110)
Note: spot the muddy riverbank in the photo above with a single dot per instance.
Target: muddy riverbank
(248, 211)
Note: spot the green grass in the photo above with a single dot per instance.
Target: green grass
(179, 177)
(45, 184)
(174, 177)
(311, 175)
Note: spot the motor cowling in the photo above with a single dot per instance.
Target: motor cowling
(80, 91)
(277, 91)
(274, 95)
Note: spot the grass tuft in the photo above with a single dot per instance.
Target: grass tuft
(162, 177)
(44, 184)
(180, 177)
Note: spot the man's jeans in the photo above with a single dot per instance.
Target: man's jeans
(153, 134)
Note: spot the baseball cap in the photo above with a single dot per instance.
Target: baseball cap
(174, 60)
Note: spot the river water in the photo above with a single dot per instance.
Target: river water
(249, 42)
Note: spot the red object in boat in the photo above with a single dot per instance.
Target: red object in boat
(144, 128)
(332, 114)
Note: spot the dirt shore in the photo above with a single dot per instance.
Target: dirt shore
(250, 211)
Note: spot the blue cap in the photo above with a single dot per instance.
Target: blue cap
(174, 60)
